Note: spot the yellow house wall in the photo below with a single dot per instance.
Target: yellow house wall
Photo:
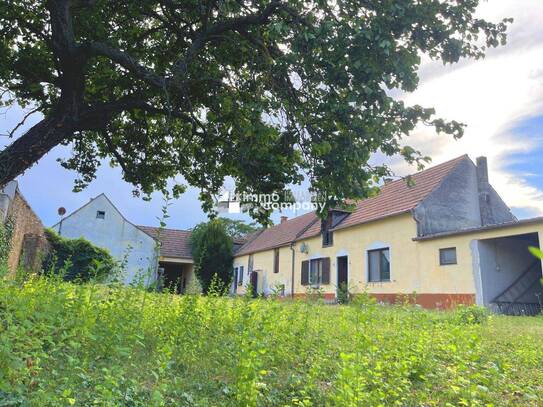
(414, 264)
(263, 265)
(396, 233)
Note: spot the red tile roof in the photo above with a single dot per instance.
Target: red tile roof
(394, 198)
(174, 242)
(398, 197)
(278, 235)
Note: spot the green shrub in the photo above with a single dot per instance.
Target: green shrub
(77, 259)
(471, 314)
(212, 250)
(6, 234)
(343, 294)
(536, 252)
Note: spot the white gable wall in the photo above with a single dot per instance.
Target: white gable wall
(114, 233)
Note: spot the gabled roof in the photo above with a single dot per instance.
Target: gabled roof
(173, 242)
(278, 235)
(394, 198)
(397, 197)
(112, 205)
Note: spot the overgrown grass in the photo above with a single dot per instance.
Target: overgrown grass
(65, 344)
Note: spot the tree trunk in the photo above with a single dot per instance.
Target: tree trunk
(33, 145)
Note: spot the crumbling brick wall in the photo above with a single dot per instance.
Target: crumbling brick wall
(28, 238)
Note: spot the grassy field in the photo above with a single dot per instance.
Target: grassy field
(64, 344)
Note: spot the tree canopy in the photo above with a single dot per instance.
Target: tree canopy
(258, 90)
(237, 228)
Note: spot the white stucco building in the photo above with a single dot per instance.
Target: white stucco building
(100, 222)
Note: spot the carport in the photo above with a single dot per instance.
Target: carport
(174, 276)
(509, 275)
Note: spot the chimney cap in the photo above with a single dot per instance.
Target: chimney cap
(284, 219)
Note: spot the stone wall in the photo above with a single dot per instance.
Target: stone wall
(28, 238)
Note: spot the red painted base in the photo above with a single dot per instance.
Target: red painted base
(429, 301)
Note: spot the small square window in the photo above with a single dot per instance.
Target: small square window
(100, 214)
(447, 256)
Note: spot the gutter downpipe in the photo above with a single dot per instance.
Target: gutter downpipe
(292, 245)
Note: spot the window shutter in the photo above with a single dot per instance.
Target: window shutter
(305, 272)
(325, 276)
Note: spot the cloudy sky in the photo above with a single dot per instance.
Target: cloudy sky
(500, 98)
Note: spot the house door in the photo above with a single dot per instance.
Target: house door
(342, 272)
(254, 283)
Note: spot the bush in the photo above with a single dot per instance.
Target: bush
(343, 294)
(212, 250)
(77, 259)
(6, 234)
(471, 315)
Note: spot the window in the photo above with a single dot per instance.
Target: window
(447, 256)
(379, 265)
(316, 272)
(100, 214)
(327, 235)
(276, 260)
(240, 275)
(235, 276)
(250, 264)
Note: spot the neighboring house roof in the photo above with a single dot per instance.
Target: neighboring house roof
(278, 235)
(394, 198)
(173, 242)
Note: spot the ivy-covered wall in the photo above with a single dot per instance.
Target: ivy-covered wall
(22, 229)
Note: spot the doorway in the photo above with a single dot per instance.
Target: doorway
(509, 274)
(342, 276)
(174, 277)
(254, 284)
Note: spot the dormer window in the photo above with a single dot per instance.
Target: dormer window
(333, 219)
(327, 234)
(100, 214)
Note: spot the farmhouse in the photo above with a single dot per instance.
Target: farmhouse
(146, 252)
(446, 239)
(449, 239)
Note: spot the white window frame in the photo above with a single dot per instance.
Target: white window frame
(378, 245)
(314, 284)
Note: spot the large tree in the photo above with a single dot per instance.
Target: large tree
(259, 90)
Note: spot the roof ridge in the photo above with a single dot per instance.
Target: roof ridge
(433, 167)
(158, 227)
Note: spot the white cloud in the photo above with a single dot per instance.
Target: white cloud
(492, 96)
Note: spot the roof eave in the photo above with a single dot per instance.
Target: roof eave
(460, 232)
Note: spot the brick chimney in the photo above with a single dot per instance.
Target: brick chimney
(483, 187)
(284, 219)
